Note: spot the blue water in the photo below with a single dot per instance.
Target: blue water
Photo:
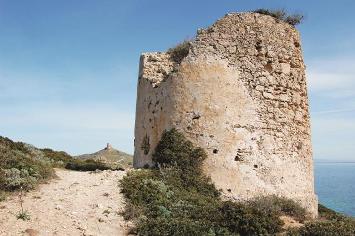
(335, 186)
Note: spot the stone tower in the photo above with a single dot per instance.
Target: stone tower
(240, 94)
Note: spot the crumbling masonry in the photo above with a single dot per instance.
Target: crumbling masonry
(241, 95)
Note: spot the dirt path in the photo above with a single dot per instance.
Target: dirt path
(77, 203)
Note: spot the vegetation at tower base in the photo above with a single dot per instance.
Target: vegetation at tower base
(180, 51)
(330, 223)
(282, 15)
(176, 198)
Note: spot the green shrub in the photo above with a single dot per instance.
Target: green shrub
(279, 206)
(294, 19)
(180, 51)
(58, 159)
(326, 228)
(21, 166)
(248, 220)
(174, 150)
(176, 198)
(86, 165)
(180, 163)
(23, 215)
(3, 196)
(281, 15)
(329, 214)
(330, 223)
(15, 179)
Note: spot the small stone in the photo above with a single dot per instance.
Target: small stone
(31, 232)
(285, 68)
(268, 95)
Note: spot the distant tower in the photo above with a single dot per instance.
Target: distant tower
(108, 146)
(241, 95)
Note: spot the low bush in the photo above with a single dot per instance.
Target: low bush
(278, 206)
(57, 158)
(282, 15)
(176, 198)
(329, 223)
(3, 196)
(328, 214)
(86, 165)
(24, 215)
(345, 227)
(180, 51)
(21, 166)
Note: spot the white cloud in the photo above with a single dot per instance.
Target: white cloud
(334, 111)
(321, 81)
(333, 137)
(332, 89)
(332, 78)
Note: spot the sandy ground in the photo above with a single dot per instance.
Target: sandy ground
(75, 203)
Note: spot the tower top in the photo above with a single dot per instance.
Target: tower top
(108, 146)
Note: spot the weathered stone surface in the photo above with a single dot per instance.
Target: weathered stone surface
(241, 91)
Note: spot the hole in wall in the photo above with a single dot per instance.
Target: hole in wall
(258, 46)
(196, 116)
(268, 67)
(255, 166)
(229, 190)
(299, 146)
(146, 166)
(215, 151)
(145, 146)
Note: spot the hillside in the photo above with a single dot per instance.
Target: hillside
(109, 155)
(24, 166)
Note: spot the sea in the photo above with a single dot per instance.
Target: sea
(335, 185)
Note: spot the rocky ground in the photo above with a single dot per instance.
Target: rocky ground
(75, 203)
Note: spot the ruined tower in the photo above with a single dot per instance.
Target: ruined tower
(240, 93)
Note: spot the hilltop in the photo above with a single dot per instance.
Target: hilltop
(109, 155)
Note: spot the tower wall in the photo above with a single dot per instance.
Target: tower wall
(241, 95)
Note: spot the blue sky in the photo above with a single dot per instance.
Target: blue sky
(68, 69)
